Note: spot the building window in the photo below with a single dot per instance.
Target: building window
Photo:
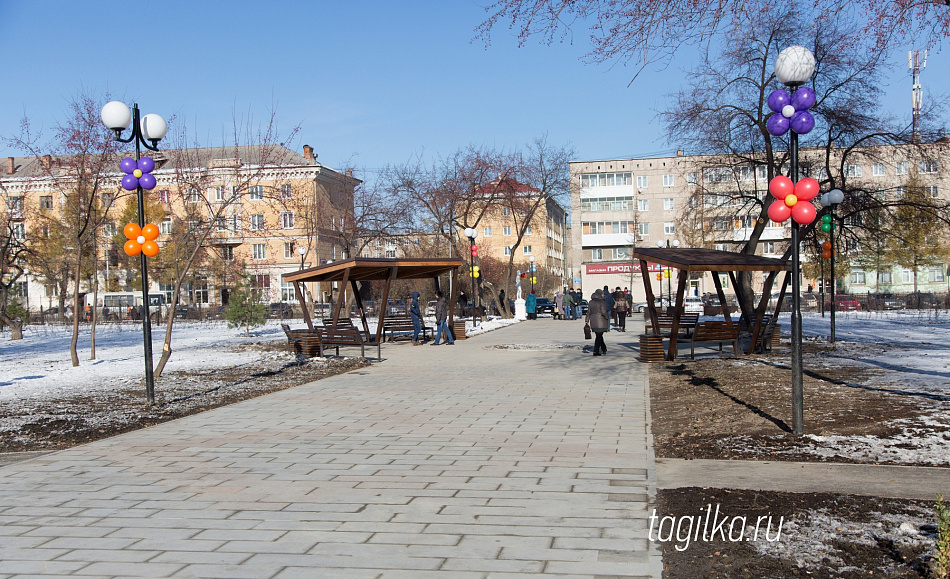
(724, 278)
(227, 253)
(668, 204)
(669, 180)
(255, 192)
(506, 211)
(527, 230)
(257, 222)
(287, 219)
(163, 196)
(486, 232)
(19, 232)
(884, 277)
(506, 230)
(192, 196)
(15, 207)
(642, 181)
(261, 282)
(219, 192)
(722, 224)
(621, 253)
(333, 222)
(507, 250)
(899, 192)
(526, 249)
(597, 254)
(258, 251)
(858, 278)
(108, 199)
(669, 228)
(692, 178)
(108, 229)
(391, 253)
(933, 190)
(900, 168)
(165, 227)
(643, 204)
(220, 224)
(852, 170)
(935, 274)
(46, 202)
(643, 229)
(878, 170)
(928, 166)
(289, 250)
(286, 191)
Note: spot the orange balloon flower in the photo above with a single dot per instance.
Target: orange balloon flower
(141, 239)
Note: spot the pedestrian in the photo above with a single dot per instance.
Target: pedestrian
(621, 305)
(609, 298)
(416, 316)
(558, 305)
(531, 305)
(442, 321)
(88, 313)
(569, 305)
(598, 317)
(578, 306)
(502, 304)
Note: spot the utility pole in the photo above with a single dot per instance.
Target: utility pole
(915, 63)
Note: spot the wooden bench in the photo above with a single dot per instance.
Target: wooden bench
(342, 335)
(715, 331)
(687, 322)
(402, 324)
(767, 337)
(304, 343)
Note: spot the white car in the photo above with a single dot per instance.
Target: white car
(693, 305)
(642, 306)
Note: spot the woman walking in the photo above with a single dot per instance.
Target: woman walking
(621, 305)
(598, 316)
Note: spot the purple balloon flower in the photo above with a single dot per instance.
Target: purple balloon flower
(804, 98)
(801, 121)
(137, 174)
(777, 125)
(778, 99)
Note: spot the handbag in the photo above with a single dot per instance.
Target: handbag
(586, 331)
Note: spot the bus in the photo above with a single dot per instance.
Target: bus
(117, 306)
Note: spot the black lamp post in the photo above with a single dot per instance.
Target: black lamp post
(148, 129)
(471, 233)
(669, 287)
(793, 67)
(531, 270)
(832, 199)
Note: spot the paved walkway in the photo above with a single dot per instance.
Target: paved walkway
(465, 461)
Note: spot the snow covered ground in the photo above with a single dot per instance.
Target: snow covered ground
(39, 365)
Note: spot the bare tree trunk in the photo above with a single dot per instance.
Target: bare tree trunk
(95, 300)
(77, 311)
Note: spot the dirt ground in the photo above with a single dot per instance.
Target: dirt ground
(740, 408)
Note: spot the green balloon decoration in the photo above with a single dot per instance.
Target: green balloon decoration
(826, 227)
(826, 218)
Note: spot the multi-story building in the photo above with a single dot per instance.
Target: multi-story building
(260, 211)
(543, 233)
(705, 201)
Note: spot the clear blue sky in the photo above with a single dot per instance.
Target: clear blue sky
(369, 82)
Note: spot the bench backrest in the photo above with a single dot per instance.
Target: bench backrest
(286, 329)
(340, 335)
(716, 330)
(685, 319)
(339, 322)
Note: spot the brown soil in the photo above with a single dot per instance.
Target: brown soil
(740, 408)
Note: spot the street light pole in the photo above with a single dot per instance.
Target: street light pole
(117, 117)
(531, 270)
(471, 234)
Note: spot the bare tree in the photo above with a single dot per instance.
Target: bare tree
(12, 257)
(641, 32)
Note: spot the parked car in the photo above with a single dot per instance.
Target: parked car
(922, 301)
(280, 310)
(660, 303)
(809, 302)
(544, 306)
(584, 307)
(693, 305)
(844, 303)
(884, 301)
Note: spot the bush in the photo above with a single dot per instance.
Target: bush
(940, 565)
(245, 308)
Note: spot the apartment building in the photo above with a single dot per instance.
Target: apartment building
(257, 210)
(704, 201)
(543, 233)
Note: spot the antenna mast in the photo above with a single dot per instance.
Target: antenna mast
(915, 63)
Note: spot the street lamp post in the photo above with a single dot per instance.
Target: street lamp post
(302, 251)
(531, 270)
(145, 130)
(669, 290)
(793, 67)
(832, 199)
(471, 234)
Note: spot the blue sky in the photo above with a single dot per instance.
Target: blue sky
(369, 82)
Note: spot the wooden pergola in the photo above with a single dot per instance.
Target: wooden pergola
(351, 271)
(688, 260)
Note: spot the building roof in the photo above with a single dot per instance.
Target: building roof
(367, 269)
(699, 259)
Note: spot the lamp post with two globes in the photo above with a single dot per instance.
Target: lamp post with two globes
(147, 131)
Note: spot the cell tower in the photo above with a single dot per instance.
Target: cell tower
(915, 63)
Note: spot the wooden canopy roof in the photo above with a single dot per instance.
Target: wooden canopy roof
(699, 259)
(368, 269)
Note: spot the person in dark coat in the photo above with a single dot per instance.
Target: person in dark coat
(530, 306)
(416, 314)
(441, 320)
(598, 316)
(621, 306)
(609, 298)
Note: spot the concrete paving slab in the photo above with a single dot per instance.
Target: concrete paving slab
(512, 453)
